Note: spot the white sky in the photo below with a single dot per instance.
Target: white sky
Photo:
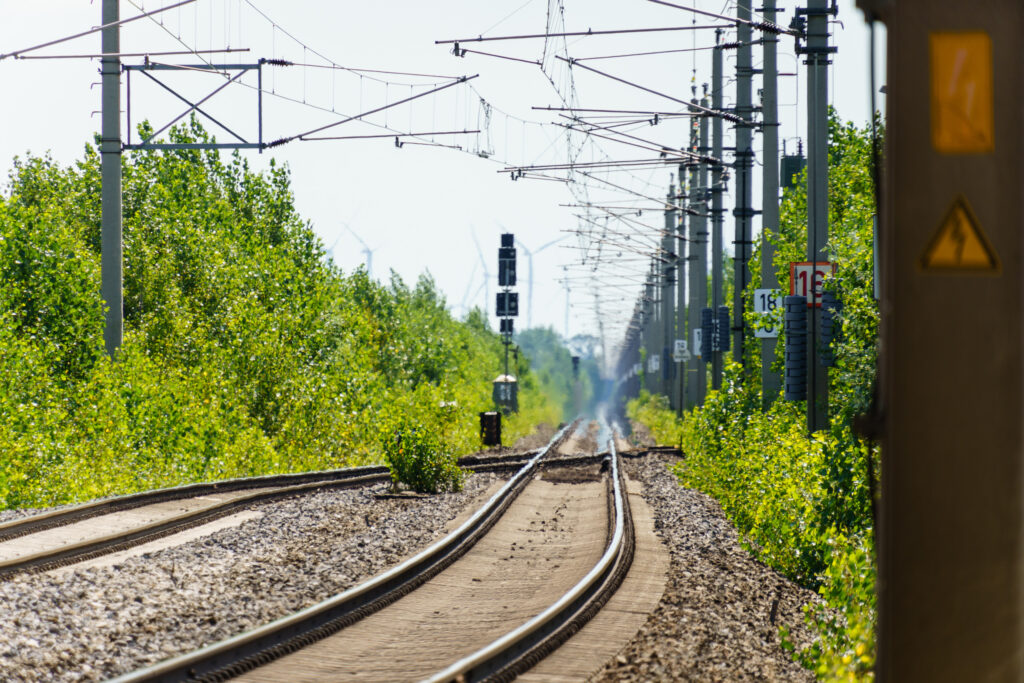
(419, 207)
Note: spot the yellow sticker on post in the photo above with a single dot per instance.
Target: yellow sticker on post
(961, 93)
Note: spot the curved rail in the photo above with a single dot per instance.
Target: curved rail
(270, 488)
(54, 518)
(69, 515)
(248, 650)
(523, 647)
(64, 555)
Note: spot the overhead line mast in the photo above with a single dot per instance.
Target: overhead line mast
(770, 380)
(744, 164)
(111, 263)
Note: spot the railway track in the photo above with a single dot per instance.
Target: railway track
(71, 535)
(486, 602)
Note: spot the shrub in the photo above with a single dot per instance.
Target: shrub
(418, 456)
(246, 350)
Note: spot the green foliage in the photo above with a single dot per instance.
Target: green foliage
(420, 458)
(652, 410)
(803, 504)
(551, 365)
(246, 351)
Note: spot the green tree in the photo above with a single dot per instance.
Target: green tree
(246, 351)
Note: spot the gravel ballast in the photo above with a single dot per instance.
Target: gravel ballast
(719, 616)
(717, 620)
(96, 623)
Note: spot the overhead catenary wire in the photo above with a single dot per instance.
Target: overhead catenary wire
(390, 105)
(570, 34)
(119, 55)
(394, 135)
(17, 53)
(762, 25)
(707, 110)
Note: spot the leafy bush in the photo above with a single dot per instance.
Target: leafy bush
(246, 351)
(420, 459)
(652, 410)
(803, 504)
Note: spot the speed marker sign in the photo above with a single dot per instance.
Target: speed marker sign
(767, 303)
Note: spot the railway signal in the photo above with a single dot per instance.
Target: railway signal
(507, 308)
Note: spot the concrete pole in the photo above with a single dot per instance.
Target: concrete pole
(717, 211)
(951, 377)
(648, 331)
(701, 233)
(110, 175)
(671, 245)
(743, 212)
(668, 328)
(658, 323)
(770, 381)
(817, 195)
(682, 252)
(695, 368)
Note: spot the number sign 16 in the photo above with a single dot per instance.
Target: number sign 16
(766, 304)
(806, 279)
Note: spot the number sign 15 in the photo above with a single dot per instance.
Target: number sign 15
(806, 279)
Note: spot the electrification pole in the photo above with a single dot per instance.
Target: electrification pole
(682, 250)
(667, 302)
(717, 210)
(695, 370)
(701, 243)
(648, 330)
(770, 381)
(818, 52)
(671, 245)
(744, 187)
(110, 177)
(951, 376)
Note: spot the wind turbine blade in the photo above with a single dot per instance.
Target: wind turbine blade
(552, 242)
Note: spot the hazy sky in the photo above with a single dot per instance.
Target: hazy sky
(418, 207)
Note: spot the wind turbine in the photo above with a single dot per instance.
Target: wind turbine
(529, 284)
(366, 250)
(565, 282)
(330, 250)
(487, 273)
(465, 295)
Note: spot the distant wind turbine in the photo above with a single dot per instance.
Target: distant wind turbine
(465, 295)
(487, 274)
(366, 250)
(330, 250)
(529, 283)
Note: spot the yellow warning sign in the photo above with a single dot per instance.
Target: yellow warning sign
(961, 65)
(960, 244)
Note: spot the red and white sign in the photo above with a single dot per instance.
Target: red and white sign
(806, 279)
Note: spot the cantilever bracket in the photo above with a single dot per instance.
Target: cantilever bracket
(147, 70)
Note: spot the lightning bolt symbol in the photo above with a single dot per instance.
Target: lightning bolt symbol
(960, 238)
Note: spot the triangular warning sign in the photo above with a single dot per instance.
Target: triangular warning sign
(960, 244)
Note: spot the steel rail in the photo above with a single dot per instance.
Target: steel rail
(271, 488)
(521, 648)
(73, 553)
(64, 516)
(248, 650)
(69, 515)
